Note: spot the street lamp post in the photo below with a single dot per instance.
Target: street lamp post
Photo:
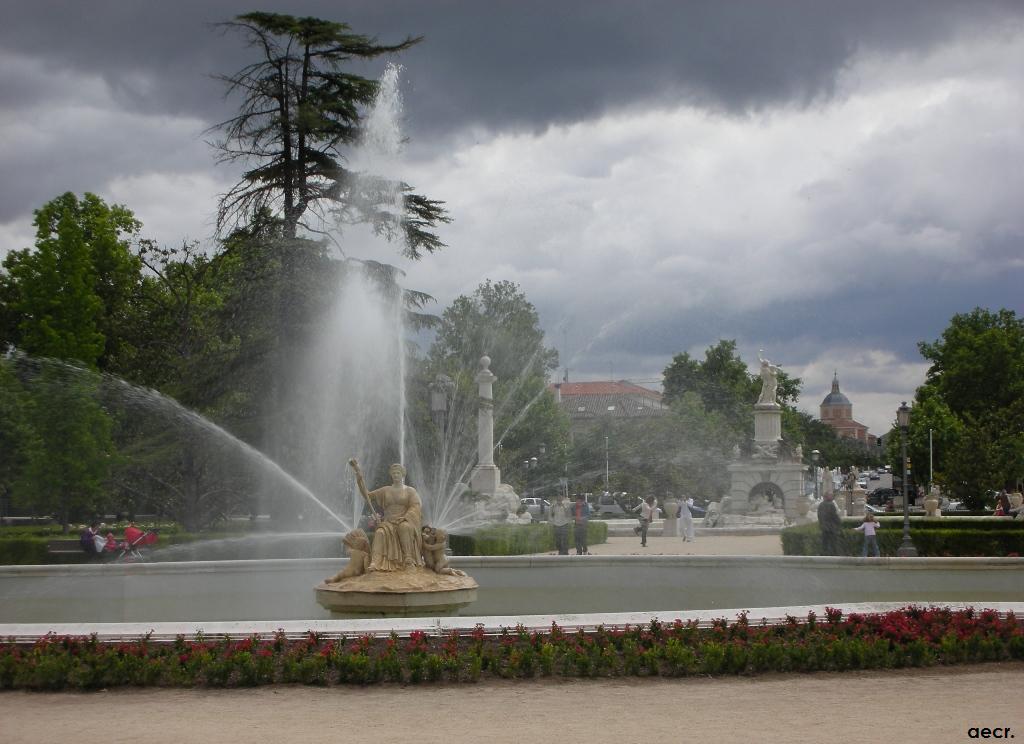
(815, 456)
(606, 463)
(906, 549)
(931, 462)
(440, 399)
(440, 394)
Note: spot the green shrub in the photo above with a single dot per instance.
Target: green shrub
(517, 539)
(932, 538)
(23, 550)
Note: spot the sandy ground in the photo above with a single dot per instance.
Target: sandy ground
(711, 545)
(929, 706)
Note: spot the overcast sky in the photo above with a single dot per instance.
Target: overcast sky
(829, 181)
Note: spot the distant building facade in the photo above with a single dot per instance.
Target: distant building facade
(585, 402)
(837, 411)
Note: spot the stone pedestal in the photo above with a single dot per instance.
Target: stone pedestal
(767, 422)
(803, 508)
(754, 477)
(413, 592)
(857, 501)
(486, 477)
(670, 508)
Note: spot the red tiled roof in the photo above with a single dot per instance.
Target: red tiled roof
(845, 424)
(622, 387)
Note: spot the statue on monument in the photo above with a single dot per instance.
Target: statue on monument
(769, 380)
(397, 541)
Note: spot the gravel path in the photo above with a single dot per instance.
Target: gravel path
(925, 706)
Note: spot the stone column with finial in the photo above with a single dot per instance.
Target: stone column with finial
(486, 476)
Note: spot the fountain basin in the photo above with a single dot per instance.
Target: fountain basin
(513, 585)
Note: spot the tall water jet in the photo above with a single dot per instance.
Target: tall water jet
(349, 388)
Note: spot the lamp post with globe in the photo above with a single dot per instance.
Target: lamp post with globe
(815, 456)
(906, 549)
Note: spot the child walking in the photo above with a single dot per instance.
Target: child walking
(868, 527)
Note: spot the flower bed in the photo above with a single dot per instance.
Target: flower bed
(909, 637)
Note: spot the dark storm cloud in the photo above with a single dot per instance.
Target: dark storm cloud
(493, 64)
(881, 312)
(501, 63)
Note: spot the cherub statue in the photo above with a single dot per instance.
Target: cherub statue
(434, 540)
(358, 548)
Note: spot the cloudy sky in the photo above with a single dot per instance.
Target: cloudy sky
(829, 181)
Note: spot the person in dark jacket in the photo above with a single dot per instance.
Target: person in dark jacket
(830, 525)
(581, 515)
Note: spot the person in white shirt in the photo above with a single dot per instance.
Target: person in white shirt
(868, 527)
(560, 519)
(648, 512)
(686, 516)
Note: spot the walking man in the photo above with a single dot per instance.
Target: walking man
(830, 525)
(581, 515)
(648, 511)
(560, 523)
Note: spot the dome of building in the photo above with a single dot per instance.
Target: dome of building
(836, 398)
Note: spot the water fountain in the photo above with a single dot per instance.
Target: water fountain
(352, 393)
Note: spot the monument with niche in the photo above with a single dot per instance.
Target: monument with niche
(402, 570)
(767, 486)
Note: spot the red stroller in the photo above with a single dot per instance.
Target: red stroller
(134, 541)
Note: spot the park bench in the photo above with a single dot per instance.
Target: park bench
(62, 545)
(71, 547)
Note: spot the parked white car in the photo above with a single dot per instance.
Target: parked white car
(537, 507)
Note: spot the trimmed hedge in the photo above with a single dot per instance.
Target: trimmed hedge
(943, 523)
(501, 539)
(932, 538)
(518, 539)
(24, 550)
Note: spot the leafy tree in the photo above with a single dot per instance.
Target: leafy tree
(684, 453)
(72, 451)
(498, 320)
(16, 436)
(71, 297)
(978, 363)
(60, 311)
(301, 107)
(723, 383)
(834, 450)
(973, 400)
(721, 379)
